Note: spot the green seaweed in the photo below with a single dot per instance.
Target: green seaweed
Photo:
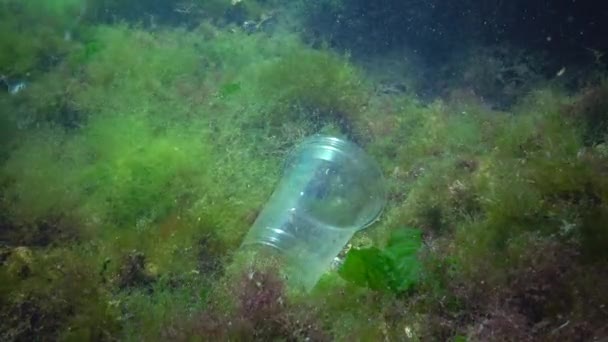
(394, 268)
(150, 150)
(310, 85)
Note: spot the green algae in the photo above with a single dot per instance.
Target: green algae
(176, 139)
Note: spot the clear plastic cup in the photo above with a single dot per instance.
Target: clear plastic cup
(330, 189)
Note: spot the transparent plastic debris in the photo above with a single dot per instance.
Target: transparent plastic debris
(330, 189)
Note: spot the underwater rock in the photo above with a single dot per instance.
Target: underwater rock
(389, 87)
(263, 24)
(13, 87)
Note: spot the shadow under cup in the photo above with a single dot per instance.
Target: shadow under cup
(330, 189)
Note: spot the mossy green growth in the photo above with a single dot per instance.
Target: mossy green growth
(60, 287)
(313, 85)
(158, 162)
(136, 167)
(120, 170)
(155, 14)
(157, 113)
(488, 187)
(32, 34)
(134, 70)
(40, 180)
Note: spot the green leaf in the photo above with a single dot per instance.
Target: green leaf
(367, 267)
(395, 268)
(460, 338)
(402, 249)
